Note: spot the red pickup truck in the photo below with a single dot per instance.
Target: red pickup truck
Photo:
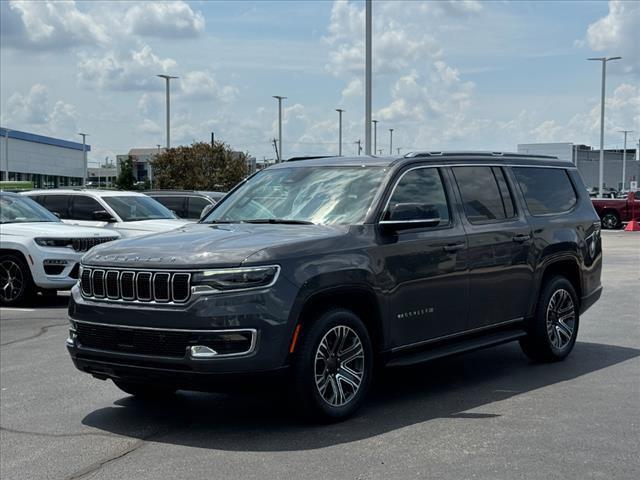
(615, 211)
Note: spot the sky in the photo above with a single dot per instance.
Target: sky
(446, 74)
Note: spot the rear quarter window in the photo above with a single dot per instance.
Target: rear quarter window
(546, 190)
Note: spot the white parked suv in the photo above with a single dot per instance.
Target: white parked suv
(38, 251)
(129, 213)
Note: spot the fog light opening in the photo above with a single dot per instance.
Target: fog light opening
(202, 351)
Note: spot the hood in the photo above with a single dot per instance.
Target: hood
(204, 245)
(53, 230)
(142, 227)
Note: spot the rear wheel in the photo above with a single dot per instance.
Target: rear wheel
(610, 221)
(16, 284)
(334, 366)
(144, 390)
(554, 328)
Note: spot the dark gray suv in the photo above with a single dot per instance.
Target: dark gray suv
(319, 269)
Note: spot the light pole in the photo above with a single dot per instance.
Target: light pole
(167, 78)
(604, 61)
(391, 141)
(279, 98)
(367, 82)
(340, 111)
(375, 136)
(6, 151)
(624, 156)
(84, 157)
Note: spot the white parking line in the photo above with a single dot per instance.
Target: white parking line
(16, 309)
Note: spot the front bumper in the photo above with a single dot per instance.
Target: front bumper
(263, 312)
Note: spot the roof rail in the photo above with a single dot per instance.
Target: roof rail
(307, 157)
(420, 154)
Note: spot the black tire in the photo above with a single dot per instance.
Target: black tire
(16, 283)
(145, 391)
(554, 328)
(337, 372)
(610, 221)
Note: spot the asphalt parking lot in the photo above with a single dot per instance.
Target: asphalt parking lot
(491, 414)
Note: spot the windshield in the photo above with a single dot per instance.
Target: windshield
(134, 208)
(23, 210)
(325, 195)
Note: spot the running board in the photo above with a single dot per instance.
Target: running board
(463, 346)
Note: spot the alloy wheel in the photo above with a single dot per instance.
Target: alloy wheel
(339, 366)
(11, 280)
(561, 319)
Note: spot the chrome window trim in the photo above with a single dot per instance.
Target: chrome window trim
(252, 331)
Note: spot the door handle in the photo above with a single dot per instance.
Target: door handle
(521, 238)
(454, 247)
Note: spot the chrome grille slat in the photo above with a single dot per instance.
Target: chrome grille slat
(135, 286)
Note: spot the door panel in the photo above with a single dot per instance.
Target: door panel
(499, 242)
(424, 269)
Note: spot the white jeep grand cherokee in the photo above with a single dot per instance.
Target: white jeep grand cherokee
(38, 251)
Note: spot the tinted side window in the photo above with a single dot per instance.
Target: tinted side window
(423, 187)
(546, 190)
(482, 198)
(83, 207)
(196, 205)
(57, 204)
(174, 203)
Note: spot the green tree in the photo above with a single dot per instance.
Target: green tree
(200, 167)
(126, 179)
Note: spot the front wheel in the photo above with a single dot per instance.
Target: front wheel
(333, 368)
(554, 329)
(16, 284)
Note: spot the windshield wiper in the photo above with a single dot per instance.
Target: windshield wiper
(284, 221)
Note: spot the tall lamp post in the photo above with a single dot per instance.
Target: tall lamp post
(340, 112)
(84, 157)
(367, 80)
(624, 157)
(167, 78)
(391, 141)
(375, 136)
(604, 61)
(279, 98)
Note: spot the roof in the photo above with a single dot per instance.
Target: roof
(34, 138)
(451, 157)
(185, 192)
(145, 151)
(95, 192)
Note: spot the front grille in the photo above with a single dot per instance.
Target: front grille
(127, 285)
(84, 244)
(160, 343)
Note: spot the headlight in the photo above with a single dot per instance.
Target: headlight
(54, 242)
(237, 278)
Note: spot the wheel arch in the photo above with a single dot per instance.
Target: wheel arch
(567, 266)
(360, 299)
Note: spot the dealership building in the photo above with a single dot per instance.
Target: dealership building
(587, 159)
(46, 161)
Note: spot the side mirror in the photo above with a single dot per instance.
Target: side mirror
(103, 216)
(402, 216)
(205, 211)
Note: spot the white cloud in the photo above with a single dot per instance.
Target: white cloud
(164, 19)
(49, 25)
(617, 34)
(150, 127)
(353, 89)
(202, 85)
(133, 70)
(32, 112)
